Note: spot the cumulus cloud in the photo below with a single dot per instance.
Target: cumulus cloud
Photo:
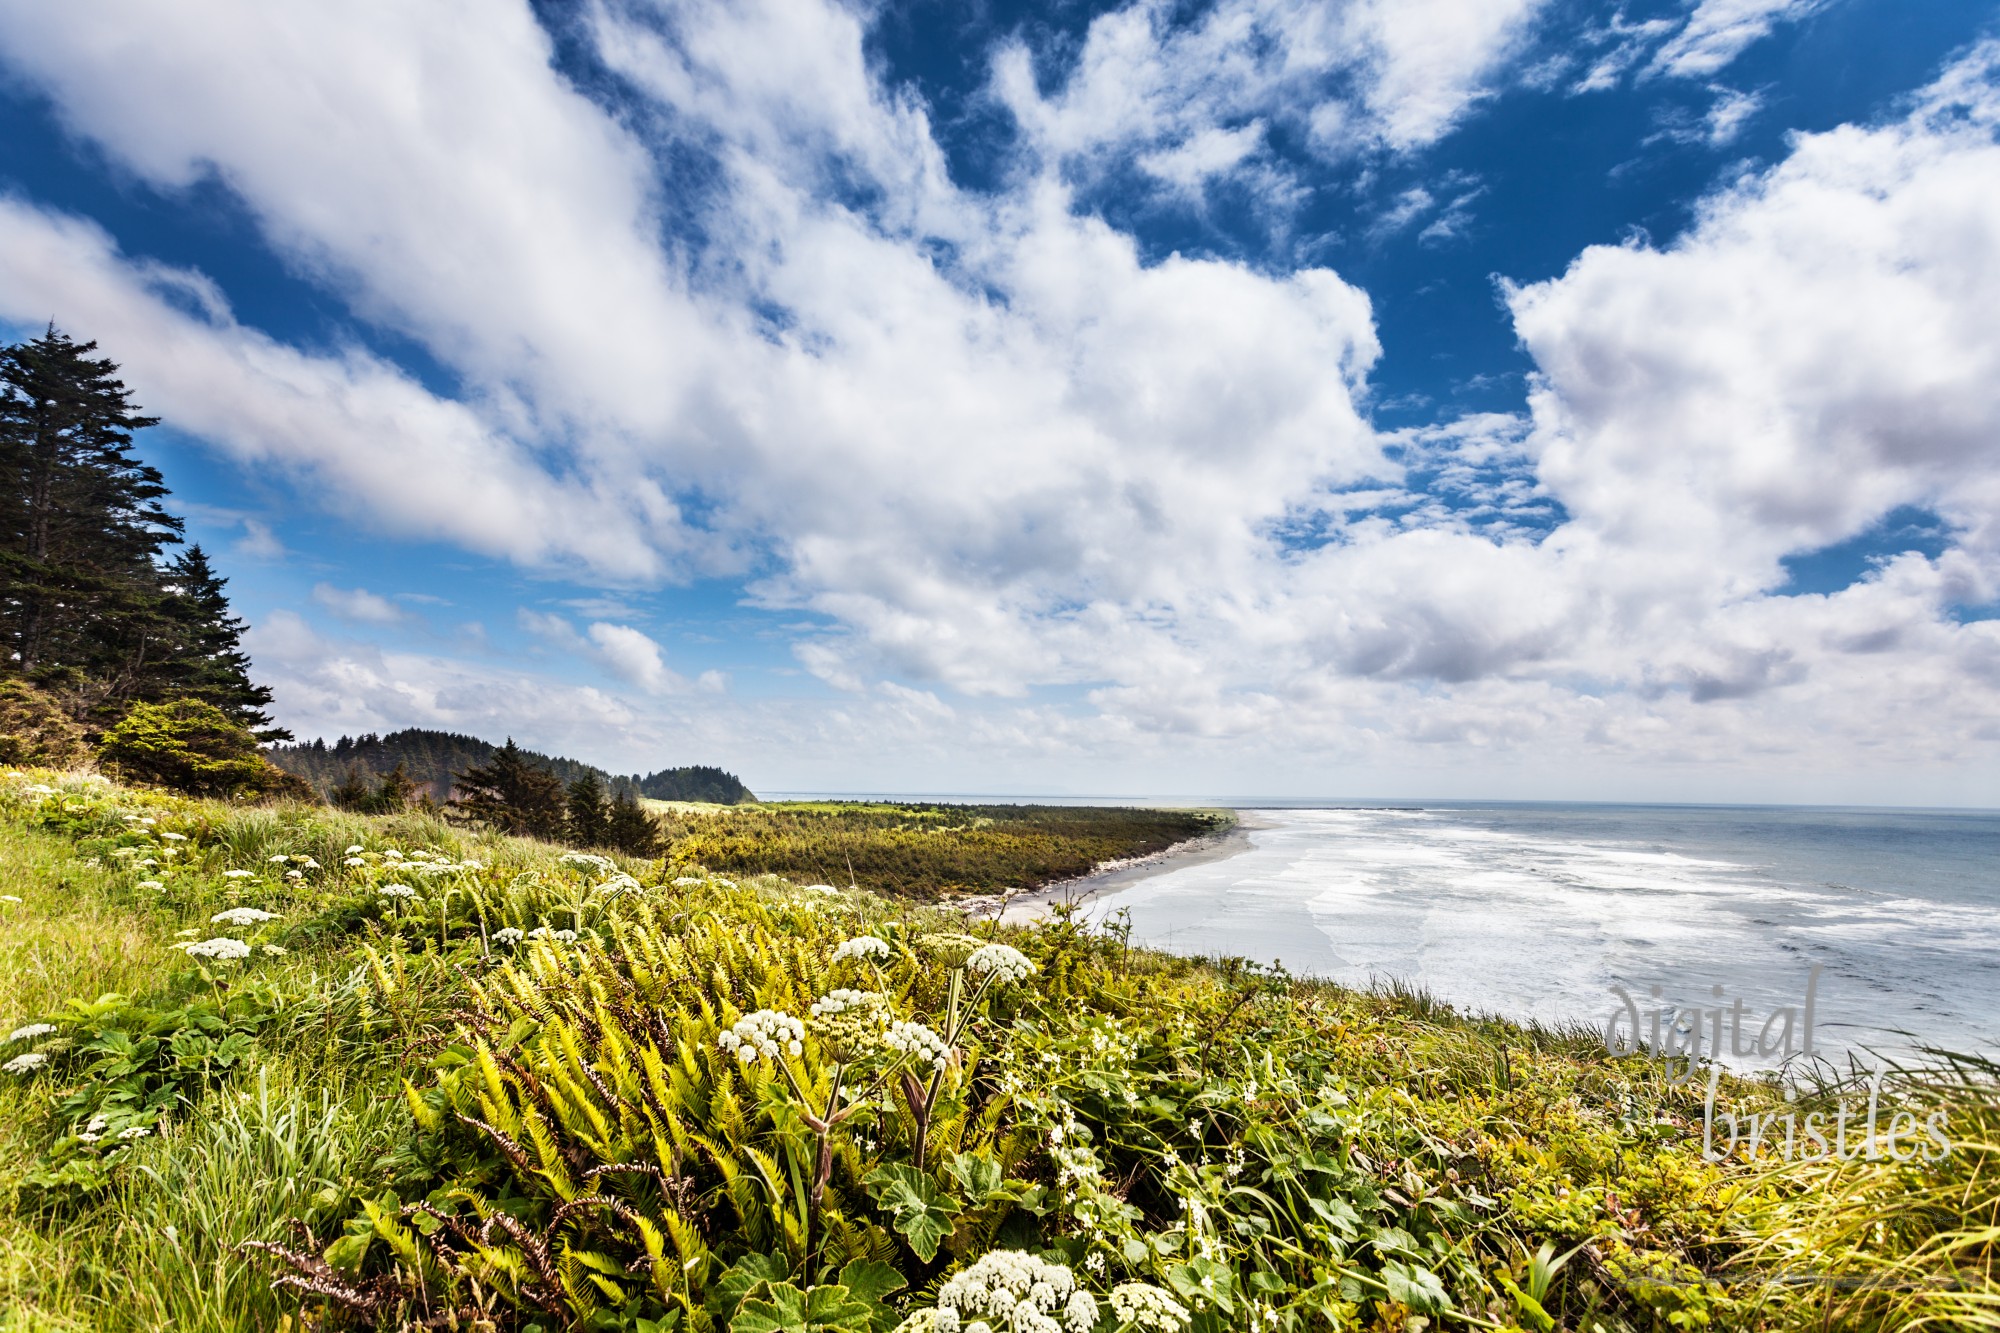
(357, 605)
(634, 657)
(999, 451)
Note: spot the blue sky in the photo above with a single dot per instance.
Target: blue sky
(1474, 398)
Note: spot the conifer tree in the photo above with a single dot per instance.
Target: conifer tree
(206, 659)
(351, 792)
(511, 794)
(80, 517)
(629, 829)
(396, 792)
(589, 814)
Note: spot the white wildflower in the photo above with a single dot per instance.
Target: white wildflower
(148, 822)
(308, 863)
(471, 865)
(544, 933)
(24, 1063)
(97, 1124)
(186, 934)
(275, 950)
(1004, 961)
(131, 1132)
(9, 898)
(238, 874)
(175, 837)
(620, 882)
(221, 948)
(507, 935)
(914, 1039)
(1147, 1307)
(862, 946)
(354, 861)
(393, 855)
(242, 916)
(396, 891)
(686, 880)
(122, 852)
(295, 874)
(152, 884)
(149, 861)
(839, 1001)
(353, 849)
(767, 1033)
(1022, 1292)
(31, 1031)
(821, 888)
(590, 861)
(280, 859)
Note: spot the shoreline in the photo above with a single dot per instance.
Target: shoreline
(1107, 876)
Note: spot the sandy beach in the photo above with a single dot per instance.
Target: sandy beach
(1110, 875)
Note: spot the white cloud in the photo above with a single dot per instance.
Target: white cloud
(634, 657)
(1041, 461)
(1720, 30)
(357, 604)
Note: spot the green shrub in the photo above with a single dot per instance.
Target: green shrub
(192, 747)
(35, 731)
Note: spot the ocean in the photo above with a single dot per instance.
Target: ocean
(1540, 910)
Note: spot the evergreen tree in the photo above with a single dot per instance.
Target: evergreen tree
(511, 794)
(589, 815)
(394, 796)
(207, 660)
(629, 829)
(80, 518)
(351, 792)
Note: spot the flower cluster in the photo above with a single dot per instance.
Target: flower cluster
(768, 1033)
(221, 948)
(25, 1063)
(1147, 1307)
(850, 1022)
(914, 1039)
(619, 882)
(560, 936)
(590, 861)
(1004, 961)
(1015, 1290)
(242, 916)
(396, 891)
(31, 1031)
(239, 874)
(508, 935)
(862, 946)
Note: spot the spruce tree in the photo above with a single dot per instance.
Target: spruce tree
(629, 829)
(589, 814)
(397, 790)
(206, 659)
(80, 519)
(511, 794)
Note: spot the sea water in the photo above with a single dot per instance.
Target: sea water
(1539, 911)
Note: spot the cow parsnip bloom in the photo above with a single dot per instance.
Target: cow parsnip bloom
(1014, 1290)
(25, 1063)
(396, 891)
(1144, 1306)
(1003, 961)
(242, 916)
(916, 1040)
(768, 1033)
(238, 874)
(862, 946)
(222, 948)
(152, 884)
(508, 935)
(31, 1031)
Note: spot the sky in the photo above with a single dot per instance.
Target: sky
(1482, 399)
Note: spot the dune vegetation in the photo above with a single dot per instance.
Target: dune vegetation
(287, 1067)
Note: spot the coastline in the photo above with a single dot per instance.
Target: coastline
(1111, 875)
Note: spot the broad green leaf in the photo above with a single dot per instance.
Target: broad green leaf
(1418, 1288)
(918, 1210)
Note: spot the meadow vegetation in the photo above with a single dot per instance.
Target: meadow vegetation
(293, 1067)
(923, 850)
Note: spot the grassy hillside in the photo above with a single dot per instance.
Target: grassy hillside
(919, 850)
(481, 1083)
